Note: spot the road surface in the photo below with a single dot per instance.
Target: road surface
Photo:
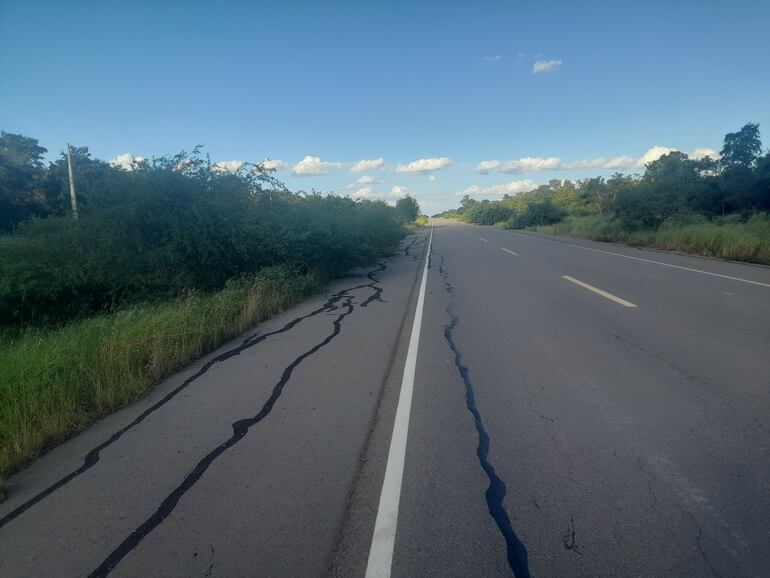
(517, 405)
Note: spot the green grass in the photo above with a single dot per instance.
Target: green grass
(55, 382)
(727, 238)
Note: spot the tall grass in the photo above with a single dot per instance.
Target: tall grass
(728, 238)
(55, 382)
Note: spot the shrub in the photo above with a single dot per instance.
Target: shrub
(156, 233)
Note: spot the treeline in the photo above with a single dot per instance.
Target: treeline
(166, 227)
(673, 189)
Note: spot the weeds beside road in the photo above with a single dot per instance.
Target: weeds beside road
(54, 383)
(726, 238)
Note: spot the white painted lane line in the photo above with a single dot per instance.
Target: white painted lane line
(649, 261)
(598, 291)
(483, 239)
(381, 551)
(509, 251)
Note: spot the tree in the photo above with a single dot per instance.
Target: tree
(466, 203)
(21, 170)
(740, 152)
(741, 149)
(762, 182)
(408, 208)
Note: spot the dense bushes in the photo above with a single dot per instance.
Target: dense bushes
(166, 261)
(488, 213)
(175, 225)
(725, 237)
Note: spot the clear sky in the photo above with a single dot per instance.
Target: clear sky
(437, 90)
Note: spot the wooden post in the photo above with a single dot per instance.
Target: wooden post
(73, 198)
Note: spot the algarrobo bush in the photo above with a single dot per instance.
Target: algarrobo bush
(488, 213)
(158, 232)
(536, 214)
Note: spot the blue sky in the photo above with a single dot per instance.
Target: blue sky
(431, 88)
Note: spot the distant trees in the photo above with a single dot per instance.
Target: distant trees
(466, 203)
(408, 208)
(673, 187)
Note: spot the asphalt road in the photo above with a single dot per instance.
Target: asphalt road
(569, 409)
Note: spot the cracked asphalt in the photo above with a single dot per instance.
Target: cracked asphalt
(579, 409)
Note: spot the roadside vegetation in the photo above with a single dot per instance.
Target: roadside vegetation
(167, 260)
(709, 207)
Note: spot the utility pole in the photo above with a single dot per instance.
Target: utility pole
(73, 198)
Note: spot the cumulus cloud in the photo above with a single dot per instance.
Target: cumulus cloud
(534, 164)
(511, 188)
(654, 154)
(485, 166)
(621, 162)
(274, 165)
(313, 166)
(399, 191)
(362, 192)
(367, 180)
(528, 164)
(226, 166)
(367, 165)
(126, 161)
(424, 165)
(542, 66)
(494, 58)
(702, 153)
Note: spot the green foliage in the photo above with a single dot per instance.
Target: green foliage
(408, 208)
(674, 189)
(728, 238)
(21, 175)
(487, 213)
(173, 225)
(166, 262)
(55, 382)
(741, 149)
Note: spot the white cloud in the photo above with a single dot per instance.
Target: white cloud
(621, 162)
(424, 165)
(313, 166)
(226, 166)
(541, 66)
(126, 161)
(485, 166)
(534, 164)
(494, 58)
(432, 178)
(399, 191)
(654, 154)
(512, 188)
(528, 164)
(701, 153)
(370, 165)
(367, 180)
(276, 165)
(362, 192)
